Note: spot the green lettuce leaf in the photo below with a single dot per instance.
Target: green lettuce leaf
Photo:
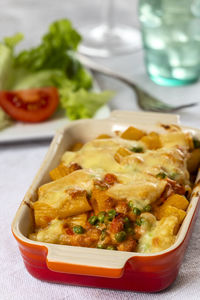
(6, 61)
(12, 41)
(52, 63)
(52, 53)
(83, 104)
(5, 119)
(56, 51)
(40, 79)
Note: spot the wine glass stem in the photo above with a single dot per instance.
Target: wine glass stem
(109, 15)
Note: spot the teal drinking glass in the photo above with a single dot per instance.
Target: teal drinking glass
(171, 39)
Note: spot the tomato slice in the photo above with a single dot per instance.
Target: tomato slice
(33, 105)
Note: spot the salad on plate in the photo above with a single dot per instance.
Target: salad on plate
(36, 83)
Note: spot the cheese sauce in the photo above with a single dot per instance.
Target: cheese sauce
(115, 200)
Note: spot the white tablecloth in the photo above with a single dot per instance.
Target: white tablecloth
(19, 162)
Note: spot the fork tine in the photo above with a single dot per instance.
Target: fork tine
(148, 103)
(184, 106)
(172, 109)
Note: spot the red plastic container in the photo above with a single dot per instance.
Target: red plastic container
(96, 267)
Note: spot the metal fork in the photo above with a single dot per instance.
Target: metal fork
(145, 100)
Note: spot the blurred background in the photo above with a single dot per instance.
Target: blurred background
(32, 17)
(20, 161)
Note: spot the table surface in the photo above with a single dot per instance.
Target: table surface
(20, 162)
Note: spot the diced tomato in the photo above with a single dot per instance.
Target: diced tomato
(122, 207)
(117, 224)
(69, 231)
(110, 178)
(33, 105)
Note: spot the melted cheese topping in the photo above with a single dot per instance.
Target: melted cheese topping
(137, 181)
(51, 234)
(141, 193)
(170, 160)
(160, 237)
(99, 154)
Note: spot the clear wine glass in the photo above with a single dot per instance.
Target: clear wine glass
(109, 38)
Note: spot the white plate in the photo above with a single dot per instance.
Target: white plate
(45, 130)
(19, 132)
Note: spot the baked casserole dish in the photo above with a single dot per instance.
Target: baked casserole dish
(113, 204)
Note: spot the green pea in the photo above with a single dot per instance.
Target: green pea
(161, 175)
(137, 149)
(136, 211)
(111, 214)
(130, 204)
(130, 231)
(78, 229)
(107, 219)
(120, 236)
(93, 220)
(126, 222)
(98, 225)
(173, 175)
(148, 208)
(196, 143)
(138, 222)
(100, 246)
(111, 247)
(101, 216)
(103, 234)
